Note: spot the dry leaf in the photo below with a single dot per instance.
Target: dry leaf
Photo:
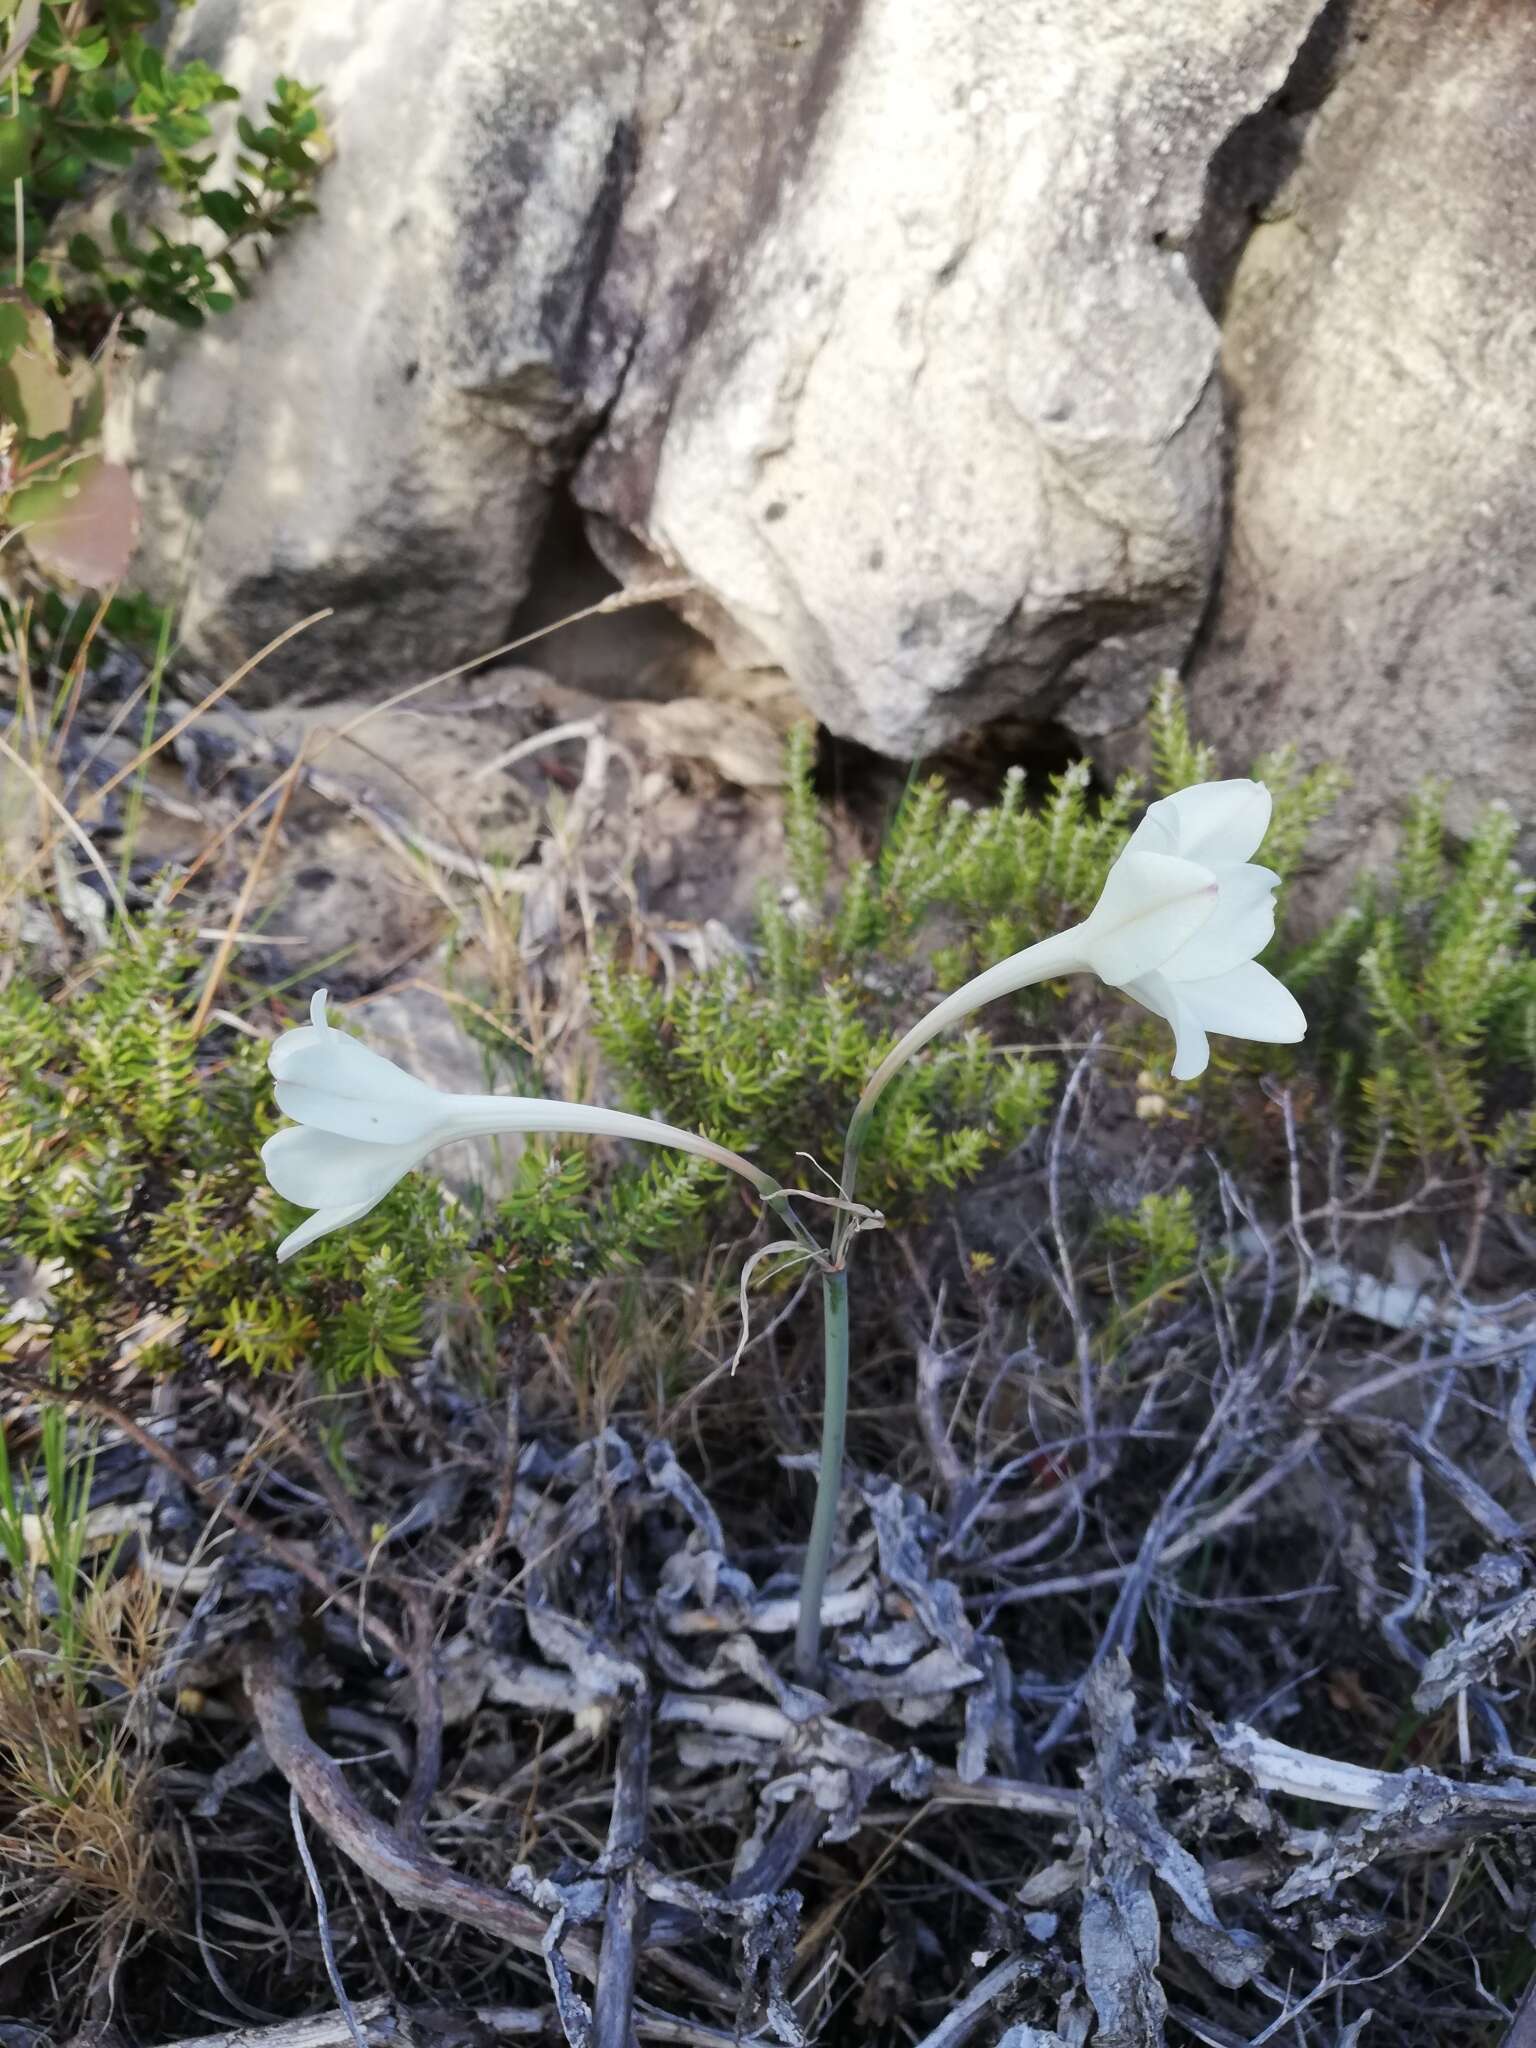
(81, 525)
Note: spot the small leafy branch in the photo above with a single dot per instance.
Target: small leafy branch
(1447, 1024)
(90, 98)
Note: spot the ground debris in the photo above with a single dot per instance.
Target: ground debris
(1474, 1655)
(1126, 1846)
(555, 1763)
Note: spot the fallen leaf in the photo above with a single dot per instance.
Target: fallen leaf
(81, 525)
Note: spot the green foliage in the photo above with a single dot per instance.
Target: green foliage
(773, 1067)
(130, 1173)
(1153, 1252)
(1178, 758)
(770, 1058)
(129, 1165)
(1447, 1023)
(63, 1539)
(94, 96)
(90, 98)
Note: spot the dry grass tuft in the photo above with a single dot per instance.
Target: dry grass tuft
(76, 1747)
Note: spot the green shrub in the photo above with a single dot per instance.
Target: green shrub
(90, 98)
(770, 1058)
(1423, 995)
(130, 1172)
(129, 1148)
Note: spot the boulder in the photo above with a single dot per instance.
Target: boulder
(924, 396)
(1378, 599)
(874, 320)
(378, 429)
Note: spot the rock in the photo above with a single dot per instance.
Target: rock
(739, 745)
(378, 428)
(344, 906)
(923, 394)
(1377, 599)
(875, 320)
(485, 806)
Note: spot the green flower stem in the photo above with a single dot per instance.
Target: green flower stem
(829, 1480)
(1042, 962)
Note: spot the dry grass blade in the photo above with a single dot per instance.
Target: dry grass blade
(92, 801)
(242, 904)
(75, 1771)
(76, 832)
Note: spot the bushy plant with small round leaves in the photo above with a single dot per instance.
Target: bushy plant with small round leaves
(90, 99)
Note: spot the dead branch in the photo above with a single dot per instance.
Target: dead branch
(829, 1741)
(957, 2027)
(1275, 1767)
(613, 2005)
(386, 2024)
(411, 1876)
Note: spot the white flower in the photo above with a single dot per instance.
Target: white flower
(1181, 916)
(361, 1124)
(1206, 978)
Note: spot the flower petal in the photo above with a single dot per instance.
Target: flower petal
(1191, 1051)
(1247, 1002)
(1241, 925)
(330, 1080)
(1157, 833)
(1151, 905)
(322, 1171)
(321, 1224)
(370, 1119)
(1214, 822)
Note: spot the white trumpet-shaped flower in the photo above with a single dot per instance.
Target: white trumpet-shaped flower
(1181, 916)
(1211, 980)
(361, 1124)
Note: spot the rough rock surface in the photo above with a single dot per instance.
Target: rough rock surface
(874, 319)
(1377, 598)
(378, 428)
(929, 409)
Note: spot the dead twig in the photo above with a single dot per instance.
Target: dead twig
(958, 2026)
(379, 2019)
(613, 2005)
(412, 1877)
(831, 1742)
(323, 1923)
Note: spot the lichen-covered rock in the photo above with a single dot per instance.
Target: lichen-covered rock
(1378, 600)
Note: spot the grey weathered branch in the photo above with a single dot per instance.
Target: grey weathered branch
(613, 2005)
(381, 2019)
(411, 1876)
